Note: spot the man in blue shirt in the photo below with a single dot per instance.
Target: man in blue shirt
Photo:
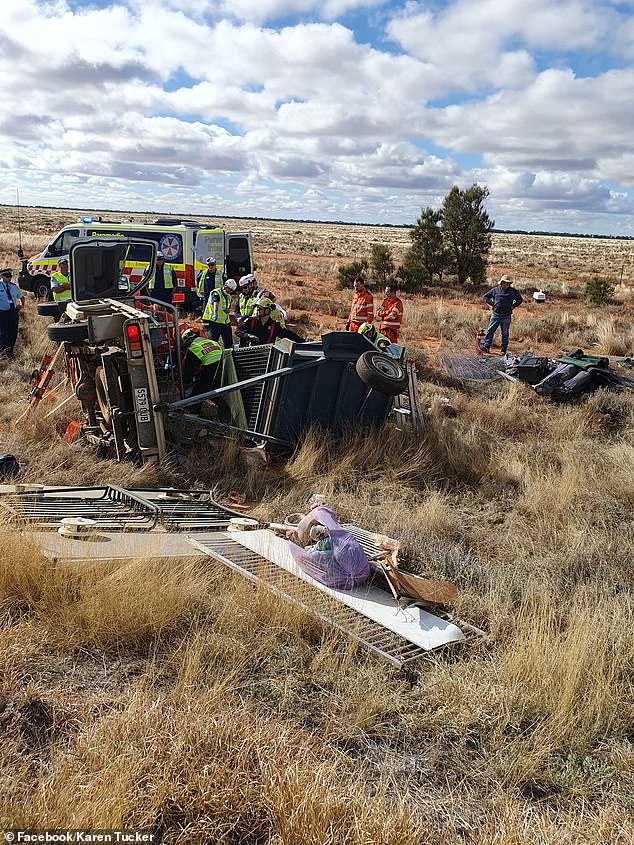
(10, 305)
(503, 298)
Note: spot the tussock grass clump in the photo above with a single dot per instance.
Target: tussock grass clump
(99, 605)
(612, 340)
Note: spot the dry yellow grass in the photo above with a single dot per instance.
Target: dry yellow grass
(185, 701)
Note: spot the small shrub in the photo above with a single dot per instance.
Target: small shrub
(599, 290)
(348, 274)
(292, 269)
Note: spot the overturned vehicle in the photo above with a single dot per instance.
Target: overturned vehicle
(123, 357)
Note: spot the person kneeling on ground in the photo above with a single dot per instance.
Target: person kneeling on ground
(504, 299)
(375, 337)
(201, 365)
(262, 329)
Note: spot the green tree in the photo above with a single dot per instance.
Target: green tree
(426, 257)
(381, 264)
(348, 274)
(466, 229)
(599, 290)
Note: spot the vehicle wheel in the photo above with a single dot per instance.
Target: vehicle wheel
(382, 373)
(102, 396)
(48, 309)
(69, 332)
(42, 288)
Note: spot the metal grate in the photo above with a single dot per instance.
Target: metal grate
(252, 361)
(386, 644)
(113, 508)
(116, 509)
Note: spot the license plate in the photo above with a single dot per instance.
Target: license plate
(142, 403)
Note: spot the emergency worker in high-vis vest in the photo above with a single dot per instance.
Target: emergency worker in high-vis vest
(361, 308)
(370, 331)
(202, 363)
(390, 314)
(60, 281)
(245, 303)
(278, 314)
(164, 280)
(217, 313)
(209, 280)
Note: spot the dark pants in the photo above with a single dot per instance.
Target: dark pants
(503, 321)
(8, 330)
(164, 295)
(207, 380)
(221, 331)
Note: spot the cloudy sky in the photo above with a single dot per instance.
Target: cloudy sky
(356, 110)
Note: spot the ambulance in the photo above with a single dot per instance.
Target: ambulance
(186, 244)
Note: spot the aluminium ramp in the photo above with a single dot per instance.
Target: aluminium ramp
(368, 614)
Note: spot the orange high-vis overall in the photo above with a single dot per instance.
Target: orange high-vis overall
(390, 315)
(361, 310)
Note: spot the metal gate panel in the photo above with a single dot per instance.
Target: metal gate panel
(389, 646)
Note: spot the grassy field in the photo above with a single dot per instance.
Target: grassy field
(189, 704)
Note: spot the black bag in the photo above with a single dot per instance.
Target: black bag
(9, 467)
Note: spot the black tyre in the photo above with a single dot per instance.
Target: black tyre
(67, 332)
(42, 288)
(381, 372)
(50, 309)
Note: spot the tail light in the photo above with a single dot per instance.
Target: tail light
(133, 335)
(178, 297)
(189, 275)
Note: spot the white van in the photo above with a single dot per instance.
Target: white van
(186, 244)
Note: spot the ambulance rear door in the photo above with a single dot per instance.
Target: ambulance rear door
(238, 255)
(209, 242)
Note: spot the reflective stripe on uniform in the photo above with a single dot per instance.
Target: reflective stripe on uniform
(223, 309)
(207, 351)
(362, 308)
(168, 284)
(391, 313)
(245, 305)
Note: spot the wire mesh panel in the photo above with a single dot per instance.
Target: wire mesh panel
(252, 361)
(386, 644)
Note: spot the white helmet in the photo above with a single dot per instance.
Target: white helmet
(231, 285)
(247, 280)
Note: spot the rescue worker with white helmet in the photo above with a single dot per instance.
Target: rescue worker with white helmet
(244, 307)
(201, 364)
(370, 331)
(262, 329)
(60, 281)
(217, 313)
